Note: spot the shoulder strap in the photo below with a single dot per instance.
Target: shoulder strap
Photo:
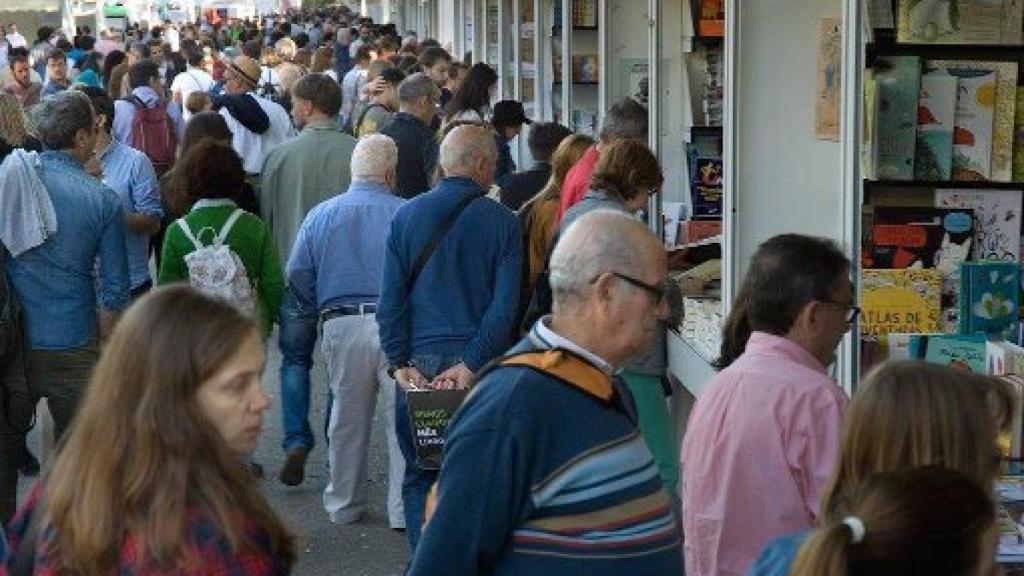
(566, 366)
(435, 240)
(362, 115)
(188, 233)
(223, 236)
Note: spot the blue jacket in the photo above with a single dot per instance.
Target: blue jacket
(569, 486)
(464, 302)
(777, 557)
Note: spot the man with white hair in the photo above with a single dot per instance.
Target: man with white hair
(569, 485)
(336, 264)
(451, 285)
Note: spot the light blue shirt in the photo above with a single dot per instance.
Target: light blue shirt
(124, 115)
(129, 173)
(338, 256)
(55, 282)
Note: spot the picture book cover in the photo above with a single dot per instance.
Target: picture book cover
(1001, 168)
(997, 220)
(972, 136)
(959, 21)
(896, 301)
(898, 81)
(706, 187)
(1018, 136)
(1004, 358)
(919, 237)
(936, 114)
(989, 298)
(960, 351)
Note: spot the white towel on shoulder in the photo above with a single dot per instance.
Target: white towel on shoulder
(27, 217)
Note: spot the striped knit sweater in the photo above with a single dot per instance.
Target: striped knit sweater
(543, 477)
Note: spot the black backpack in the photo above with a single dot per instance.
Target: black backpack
(10, 318)
(15, 407)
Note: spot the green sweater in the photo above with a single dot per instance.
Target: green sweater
(249, 238)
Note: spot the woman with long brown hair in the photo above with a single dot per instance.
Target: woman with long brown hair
(15, 129)
(152, 477)
(932, 521)
(904, 415)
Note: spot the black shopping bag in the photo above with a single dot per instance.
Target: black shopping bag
(430, 411)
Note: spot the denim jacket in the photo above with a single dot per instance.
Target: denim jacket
(56, 282)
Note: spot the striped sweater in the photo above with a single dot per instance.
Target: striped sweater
(542, 477)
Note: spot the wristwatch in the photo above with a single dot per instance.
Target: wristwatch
(392, 368)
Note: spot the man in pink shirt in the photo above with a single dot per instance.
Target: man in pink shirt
(762, 439)
(624, 119)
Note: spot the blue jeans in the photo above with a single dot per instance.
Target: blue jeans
(417, 482)
(297, 340)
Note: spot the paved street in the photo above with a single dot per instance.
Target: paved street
(369, 548)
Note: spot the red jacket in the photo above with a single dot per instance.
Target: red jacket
(577, 181)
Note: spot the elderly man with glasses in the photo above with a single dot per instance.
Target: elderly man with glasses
(570, 486)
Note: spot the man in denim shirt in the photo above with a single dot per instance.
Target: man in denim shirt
(56, 282)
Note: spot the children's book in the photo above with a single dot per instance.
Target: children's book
(1005, 101)
(989, 298)
(706, 187)
(959, 21)
(997, 220)
(936, 114)
(897, 85)
(972, 136)
(895, 301)
(919, 237)
(1018, 136)
(960, 351)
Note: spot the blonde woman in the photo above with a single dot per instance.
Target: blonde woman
(15, 129)
(540, 213)
(906, 415)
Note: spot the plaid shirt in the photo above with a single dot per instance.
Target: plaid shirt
(207, 550)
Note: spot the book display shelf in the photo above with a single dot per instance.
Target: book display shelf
(942, 178)
(576, 66)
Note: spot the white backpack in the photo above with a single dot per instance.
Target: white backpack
(217, 271)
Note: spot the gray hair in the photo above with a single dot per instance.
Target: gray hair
(417, 86)
(624, 119)
(464, 146)
(598, 242)
(59, 117)
(374, 156)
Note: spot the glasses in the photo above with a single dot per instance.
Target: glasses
(852, 310)
(658, 292)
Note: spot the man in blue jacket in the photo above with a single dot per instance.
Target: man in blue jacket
(440, 327)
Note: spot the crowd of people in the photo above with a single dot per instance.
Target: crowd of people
(177, 200)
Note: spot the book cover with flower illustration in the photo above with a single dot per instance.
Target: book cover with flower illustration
(1003, 104)
(989, 298)
(900, 301)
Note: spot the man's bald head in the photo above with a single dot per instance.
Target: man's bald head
(599, 242)
(470, 152)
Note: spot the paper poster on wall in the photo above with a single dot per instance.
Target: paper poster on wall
(635, 79)
(829, 96)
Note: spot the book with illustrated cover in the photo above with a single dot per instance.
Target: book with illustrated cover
(918, 237)
(972, 137)
(989, 298)
(997, 220)
(706, 187)
(959, 21)
(711, 23)
(1018, 136)
(960, 351)
(898, 81)
(900, 301)
(585, 68)
(1001, 141)
(936, 114)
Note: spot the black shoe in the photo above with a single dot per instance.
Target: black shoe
(29, 465)
(294, 470)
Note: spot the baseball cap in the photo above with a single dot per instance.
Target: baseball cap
(509, 113)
